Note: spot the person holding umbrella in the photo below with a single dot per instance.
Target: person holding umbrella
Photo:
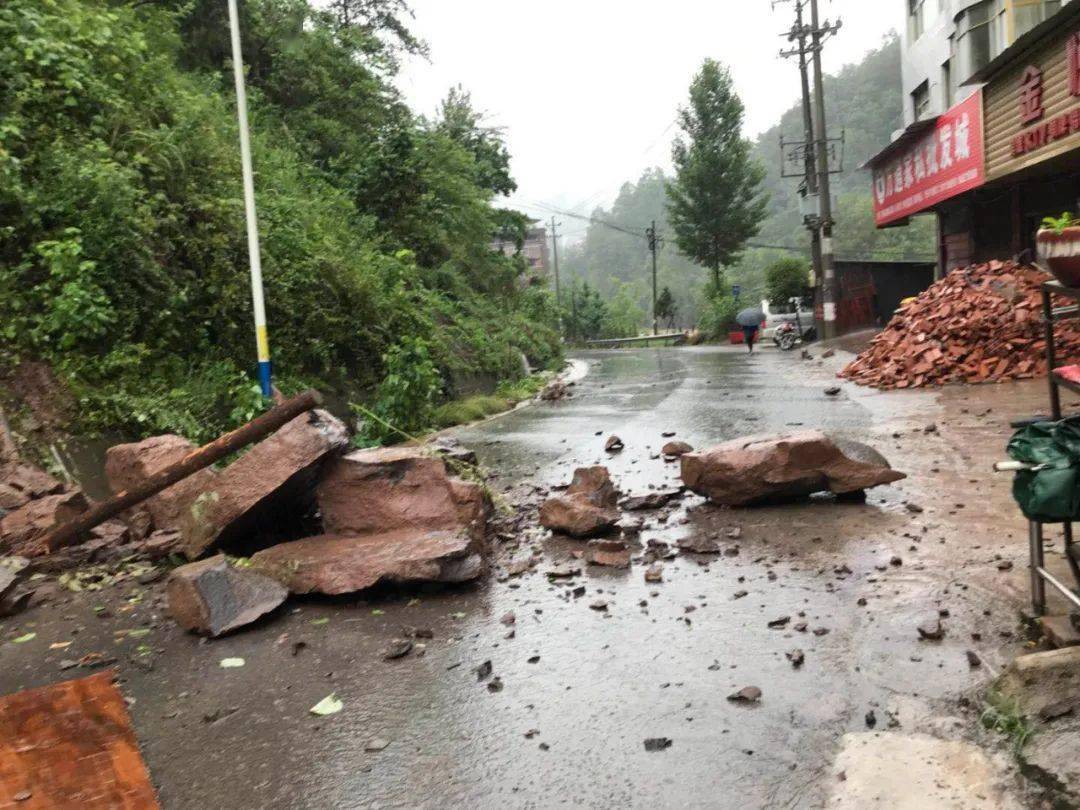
(750, 320)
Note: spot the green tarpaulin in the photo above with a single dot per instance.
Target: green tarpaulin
(1050, 494)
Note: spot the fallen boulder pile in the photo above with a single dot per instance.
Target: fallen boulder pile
(978, 324)
(761, 469)
(296, 513)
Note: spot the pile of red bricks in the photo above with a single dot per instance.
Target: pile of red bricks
(978, 324)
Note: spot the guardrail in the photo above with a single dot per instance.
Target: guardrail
(675, 338)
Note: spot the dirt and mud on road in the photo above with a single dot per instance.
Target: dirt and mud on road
(788, 669)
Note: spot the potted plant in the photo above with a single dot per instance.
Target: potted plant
(1058, 244)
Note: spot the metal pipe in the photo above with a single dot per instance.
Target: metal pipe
(1066, 592)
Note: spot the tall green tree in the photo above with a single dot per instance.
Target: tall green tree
(715, 203)
(464, 124)
(666, 308)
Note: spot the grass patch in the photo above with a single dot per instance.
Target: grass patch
(1004, 717)
(473, 409)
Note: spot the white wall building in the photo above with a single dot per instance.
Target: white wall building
(946, 42)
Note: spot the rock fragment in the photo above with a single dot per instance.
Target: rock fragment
(586, 508)
(748, 694)
(211, 597)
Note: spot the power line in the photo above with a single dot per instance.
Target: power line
(592, 220)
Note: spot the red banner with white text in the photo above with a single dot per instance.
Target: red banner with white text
(942, 162)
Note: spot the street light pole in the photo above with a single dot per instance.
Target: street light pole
(262, 341)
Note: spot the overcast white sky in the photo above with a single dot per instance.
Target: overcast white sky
(586, 89)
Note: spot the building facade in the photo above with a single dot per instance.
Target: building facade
(944, 43)
(534, 250)
(1006, 152)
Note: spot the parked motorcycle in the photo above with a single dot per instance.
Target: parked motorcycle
(787, 336)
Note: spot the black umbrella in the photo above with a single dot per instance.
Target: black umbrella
(750, 317)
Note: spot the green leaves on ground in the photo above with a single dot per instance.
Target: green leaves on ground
(327, 706)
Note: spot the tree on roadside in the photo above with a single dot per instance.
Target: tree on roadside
(465, 125)
(786, 279)
(715, 203)
(666, 309)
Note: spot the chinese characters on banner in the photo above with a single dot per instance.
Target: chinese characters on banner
(945, 161)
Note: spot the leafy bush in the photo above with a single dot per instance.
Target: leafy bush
(718, 316)
(123, 254)
(405, 399)
(786, 279)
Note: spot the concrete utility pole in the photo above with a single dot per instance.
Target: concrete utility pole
(809, 160)
(555, 254)
(262, 341)
(821, 138)
(651, 234)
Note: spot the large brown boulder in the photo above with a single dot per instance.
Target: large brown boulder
(587, 508)
(22, 483)
(271, 483)
(758, 469)
(211, 597)
(335, 564)
(21, 529)
(128, 465)
(391, 488)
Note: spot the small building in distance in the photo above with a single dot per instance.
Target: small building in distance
(534, 250)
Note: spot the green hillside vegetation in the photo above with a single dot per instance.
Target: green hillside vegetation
(123, 260)
(865, 101)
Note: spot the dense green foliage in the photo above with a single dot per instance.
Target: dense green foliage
(666, 308)
(864, 100)
(786, 279)
(588, 316)
(714, 201)
(122, 248)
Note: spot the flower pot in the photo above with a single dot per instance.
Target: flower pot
(1060, 253)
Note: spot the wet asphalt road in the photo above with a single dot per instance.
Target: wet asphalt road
(582, 689)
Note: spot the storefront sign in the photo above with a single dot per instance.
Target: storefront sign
(945, 161)
(1033, 109)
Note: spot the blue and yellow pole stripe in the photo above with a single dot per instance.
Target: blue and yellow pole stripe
(262, 341)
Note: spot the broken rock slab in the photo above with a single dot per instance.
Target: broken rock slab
(335, 564)
(391, 488)
(1039, 682)
(22, 528)
(22, 483)
(212, 597)
(276, 476)
(761, 469)
(127, 465)
(586, 508)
